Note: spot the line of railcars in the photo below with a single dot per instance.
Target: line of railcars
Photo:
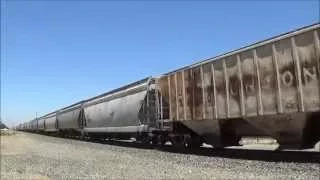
(268, 89)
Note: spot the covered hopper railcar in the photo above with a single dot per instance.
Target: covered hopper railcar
(268, 89)
(120, 112)
(50, 123)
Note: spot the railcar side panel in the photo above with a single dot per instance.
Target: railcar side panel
(34, 125)
(309, 62)
(173, 97)
(164, 91)
(220, 83)
(249, 77)
(268, 83)
(189, 91)
(208, 90)
(50, 123)
(233, 88)
(41, 124)
(180, 97)
(197, 94)
(69, 119)
(119, 112)
(288, 80)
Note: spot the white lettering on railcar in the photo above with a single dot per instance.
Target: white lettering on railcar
(233, 92)
(308, 75)
(249, 87)
(287, 78)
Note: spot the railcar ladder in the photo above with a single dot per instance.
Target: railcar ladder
(162, 122)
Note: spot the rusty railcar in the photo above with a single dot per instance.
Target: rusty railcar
(270, 88)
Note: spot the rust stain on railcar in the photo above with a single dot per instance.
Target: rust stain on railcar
(208, 91)
(233, 87)
(307, 55)
(164, 91)
(288, 84)
(189, 91)
(249, 83)
(173, 97)
(180, 98)
(220, 89)
(268, 80)
(197, 89)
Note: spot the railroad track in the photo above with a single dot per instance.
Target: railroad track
(297, 156)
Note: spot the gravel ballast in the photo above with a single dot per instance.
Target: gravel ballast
(33, 156)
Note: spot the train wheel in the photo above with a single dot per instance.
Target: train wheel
(178, 142)
(154, 140)
(192, 142)
(162, 139)
(146, 140)
(317, 147)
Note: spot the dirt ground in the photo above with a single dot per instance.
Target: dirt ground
(33, 156)
(17, 145)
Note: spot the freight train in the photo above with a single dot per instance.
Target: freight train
(268, 89)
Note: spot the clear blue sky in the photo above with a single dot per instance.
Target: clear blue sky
(56, 53)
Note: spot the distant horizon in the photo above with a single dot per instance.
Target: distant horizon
(37, 86)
